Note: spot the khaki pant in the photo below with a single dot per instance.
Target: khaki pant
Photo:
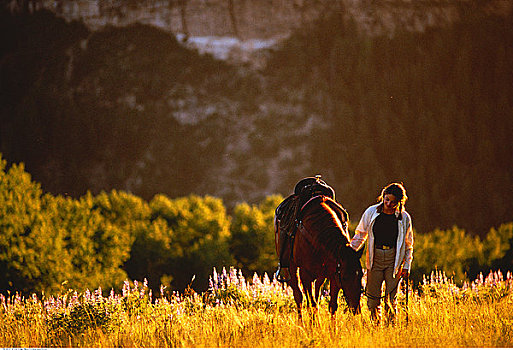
(382, 270)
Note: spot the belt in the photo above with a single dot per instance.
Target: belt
(384, 247)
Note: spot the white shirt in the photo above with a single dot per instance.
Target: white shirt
(404, 248)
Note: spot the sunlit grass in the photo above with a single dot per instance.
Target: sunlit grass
(258, 313)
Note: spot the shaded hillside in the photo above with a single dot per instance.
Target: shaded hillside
(432, 109)
(121, 108)
(131, 109)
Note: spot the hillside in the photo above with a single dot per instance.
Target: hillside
(130, 108)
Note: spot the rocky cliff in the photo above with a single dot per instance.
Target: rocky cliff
(238, 30)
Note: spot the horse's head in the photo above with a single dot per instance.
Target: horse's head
(351, 274)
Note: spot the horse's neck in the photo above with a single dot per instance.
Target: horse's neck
(325, 228)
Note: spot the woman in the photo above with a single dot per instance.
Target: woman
(388, 227)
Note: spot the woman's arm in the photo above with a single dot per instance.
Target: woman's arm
(361, 231)
(408, 253)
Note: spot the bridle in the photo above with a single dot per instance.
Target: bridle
(339, 273)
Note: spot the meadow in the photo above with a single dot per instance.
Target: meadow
(259, 312)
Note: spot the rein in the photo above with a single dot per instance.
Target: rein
(372, 297)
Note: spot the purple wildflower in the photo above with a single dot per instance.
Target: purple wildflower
(126, 289)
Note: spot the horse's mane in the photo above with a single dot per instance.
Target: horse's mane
(325, 230)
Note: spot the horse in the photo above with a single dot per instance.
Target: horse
(321, 251)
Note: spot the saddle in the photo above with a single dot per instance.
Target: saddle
(313, 186)
(288, 216)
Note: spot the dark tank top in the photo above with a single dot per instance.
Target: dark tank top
(385, 230)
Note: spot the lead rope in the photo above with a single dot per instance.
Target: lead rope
(370, 296)
(384, 296)
(407, 292)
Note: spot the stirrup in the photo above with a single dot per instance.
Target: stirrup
(277, 275)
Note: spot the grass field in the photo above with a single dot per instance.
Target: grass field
(258, 313)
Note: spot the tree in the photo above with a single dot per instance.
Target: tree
(31, 256)
(498, 252)
(46, 240)
(452, 251)
(151, 254)
(96, 247)
(252, 242)
(198, 233)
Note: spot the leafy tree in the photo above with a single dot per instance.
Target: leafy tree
(121, 208)
(452, 251)
(151, 254)
(252, 242)
(46, 241)
(498, 252)
(32, 257)
(97, 248)
(198, 231)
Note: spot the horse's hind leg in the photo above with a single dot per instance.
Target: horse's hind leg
(308, 286)
(318, 284)
(314, 295)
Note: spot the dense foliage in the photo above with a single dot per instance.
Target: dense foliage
(50, 243)
(132, 109)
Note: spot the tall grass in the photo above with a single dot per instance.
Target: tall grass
(236, 312)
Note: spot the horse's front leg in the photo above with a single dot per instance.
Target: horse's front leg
(333, 304)
(318, 284)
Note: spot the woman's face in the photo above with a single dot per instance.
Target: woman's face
(389, 203)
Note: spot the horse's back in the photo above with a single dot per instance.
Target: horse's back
(328, 212)
(321, 233)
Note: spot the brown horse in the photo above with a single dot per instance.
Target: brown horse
(321, 251)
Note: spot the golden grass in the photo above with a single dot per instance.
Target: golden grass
(436, 319)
